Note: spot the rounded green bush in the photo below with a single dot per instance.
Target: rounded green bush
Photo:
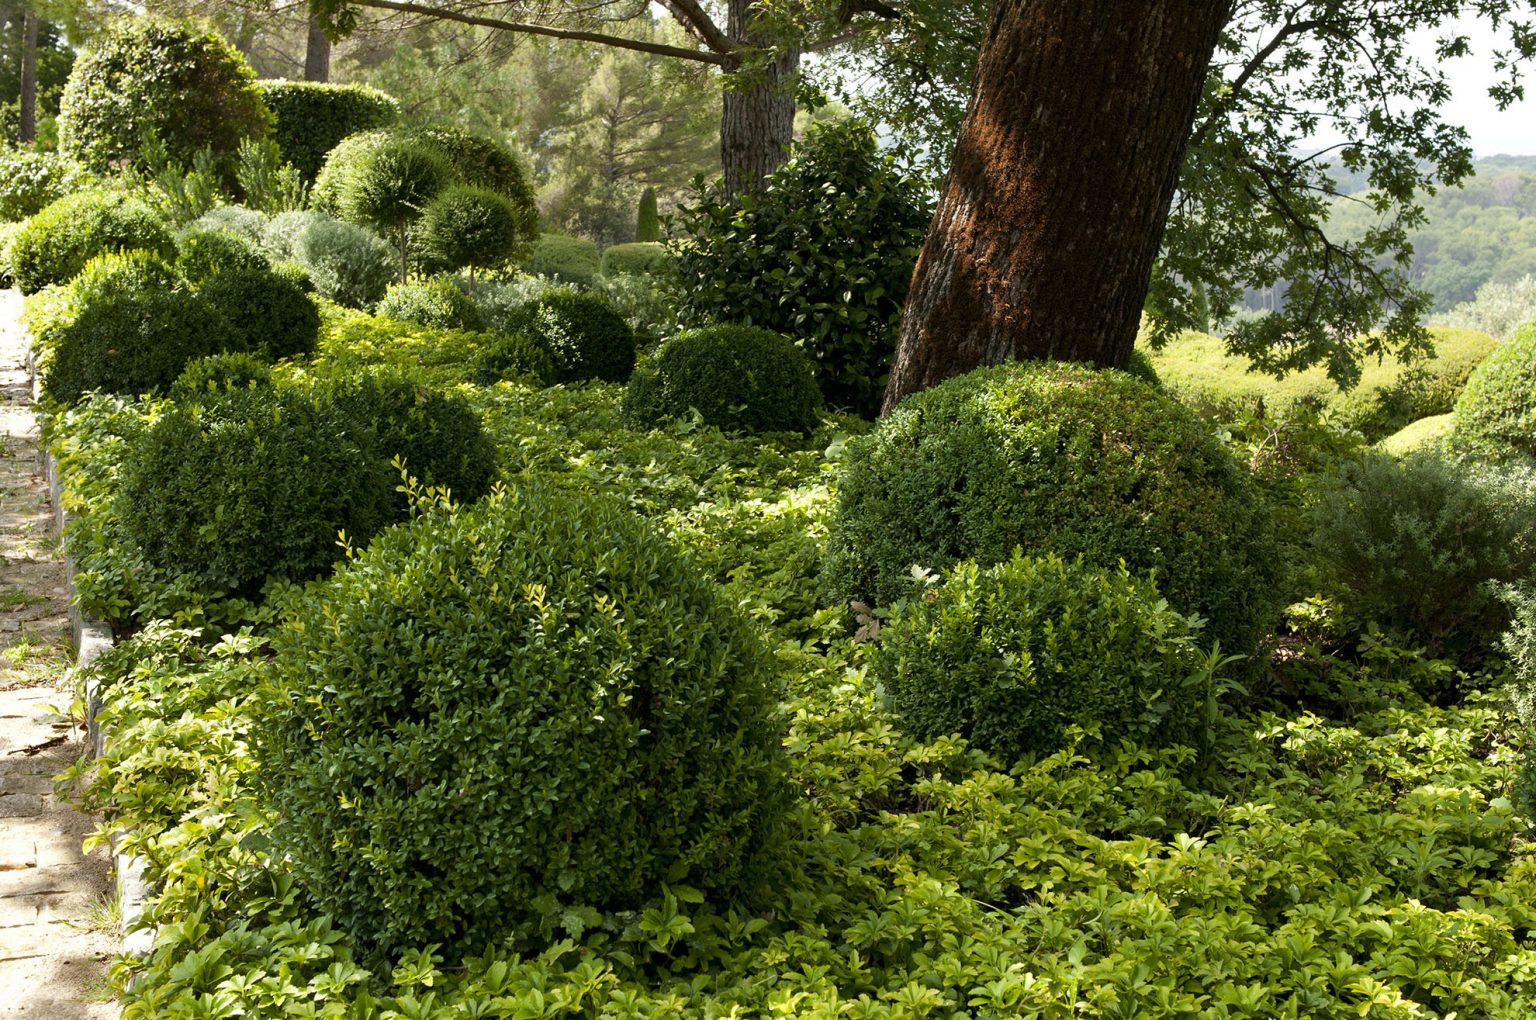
(641, 258)
(347, 264)
(57, 243)
(311, 118)
(493, 714)
(214, 376)
(584, 336)
(237, 219)
(390, 183)
(1010, 656)
(514, 356)
(30, 181)
(470, 228)
(567, 259)
(104, 277)
(1496, 413)
(325, 196)
(439, 437)
(253, 485)
(205, 253)
(1378, 408)
(1424, 435)
(435, 303)
(738, 378)
(190, 87)
(1055, 458)
(269, 313)
(482, 162)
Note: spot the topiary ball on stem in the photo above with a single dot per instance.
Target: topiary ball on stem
(472, 228)
(493, 715)
(390, 184)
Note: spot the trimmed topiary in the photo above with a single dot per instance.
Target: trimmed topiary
(482, 162)
(57, 243)
(269, 313)
(1055, 458)
(435, 303)
(325, 196)
(347, 264)
(1012, 655)
(472, 228)
(1496, 413)
(31, 180)
(737, 378)
(584, 336)
(389, 185)
(638, 259)
(567, 259)
(311, 118)
(206, 253)
(1378, 408)
(647, 218)
(514, 356)
(190, 87)
(218, 374)
(256, 484)
(495, 714)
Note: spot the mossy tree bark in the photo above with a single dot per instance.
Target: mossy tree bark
(1043, 240)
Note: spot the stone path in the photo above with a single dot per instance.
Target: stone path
(55, 921)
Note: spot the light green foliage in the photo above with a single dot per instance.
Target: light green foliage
(190, 88)
(583, 335)
(1419, 542)
(8, 232)
(1013, 656)
(203, 253)
(823, 252)
(566, 259)
(58, 242)
(217, 374)
(325, 195)
(248, 223)
(265, 181)
(640, 258)
(1497, 309)
(470, 228)
(1055, 458)
(347, 263)
(500, 300)
(310, 118)
(352, 344)
(437, 303)
(1496, 414)
(738, 378)
(270, 314)
(535, 650)
(180, 191)
(515, 356)
(1424, 435)
(31, 180)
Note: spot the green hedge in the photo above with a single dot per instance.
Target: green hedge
(567, 259)
(58, 242)
(312, 117)
(32, 180)
(641, 258)
(1495, 418)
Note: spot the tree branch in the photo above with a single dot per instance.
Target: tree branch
(699, 24)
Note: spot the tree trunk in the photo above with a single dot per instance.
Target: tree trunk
(27, 130)
(758, 115)
(1045, 232)
(317, 54)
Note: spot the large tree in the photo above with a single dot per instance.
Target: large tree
(1110, 159)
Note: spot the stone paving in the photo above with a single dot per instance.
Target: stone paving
(55, 902)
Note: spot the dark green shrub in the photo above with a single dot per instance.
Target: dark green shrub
(339, 163)
(191, 88)
(270, 314)
(640, 258)
(491, 715)
(472, 228)
(823, 252)
(1055, 458)
(57, 243)
(737, 377)
(647, 219)
(435, 303)
(438, 436)
(585, 337)
(346, 263)
(1418, 543)
(567, 259)
(311, 118)
(31, 180)
(206, 253)
(218, 374)
(514, 356)
(482, 162)
(1496, 413)
(229, 492)
(1012, 655)
(1142, 368)
(390, 184)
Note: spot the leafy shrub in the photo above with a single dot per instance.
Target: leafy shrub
(389, 185)
(823, 252)
(190, 88)
(1497, 309)
(1012, 655)
(30, 181)
(282, 235)
(348, 264)
(1418, 543)
(484, 163)
(1423, 435)
(311, 118)
(8, 232)
(1496, 415)
(295, 274)
(439, 437)
(265, 181)
(236, 219)
(1380, 406)
(567, 259)
(474, 671)
(584, 336)
(501, 301)
(218, 374)
(271, 315)
(514, 356)
(256, 484)
(436, 303)
(206, 253)
(640, 258)
(58, 242)
(325, 196)
(1055, 458)
(737, 377)
(121, 272)
(469, 228)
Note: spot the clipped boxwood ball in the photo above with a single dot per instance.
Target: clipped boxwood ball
(57, 243)
(492, 714)
(218, 374)
(270, 313)
(256, 484)
(514, 356)
(1010, 656)
(312, 117)
(434, 303)
(469, 228)
(738, 378)
(1496, 413)
(565, 258)
(205, 252)
(1055, 458)
(439, 437)
(585, 337)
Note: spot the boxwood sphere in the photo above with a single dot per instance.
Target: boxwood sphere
(1011, 655)
(492, 714)
(434, 303)
(206, 251)
(57, 243)
(1496, 413)
(584, 336)
(737, 377)
(1055, 458)
(472, 227)
(271, 314)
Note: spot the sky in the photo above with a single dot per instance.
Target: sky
(1512, 132)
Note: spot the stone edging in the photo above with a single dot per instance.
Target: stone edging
(92, 638)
